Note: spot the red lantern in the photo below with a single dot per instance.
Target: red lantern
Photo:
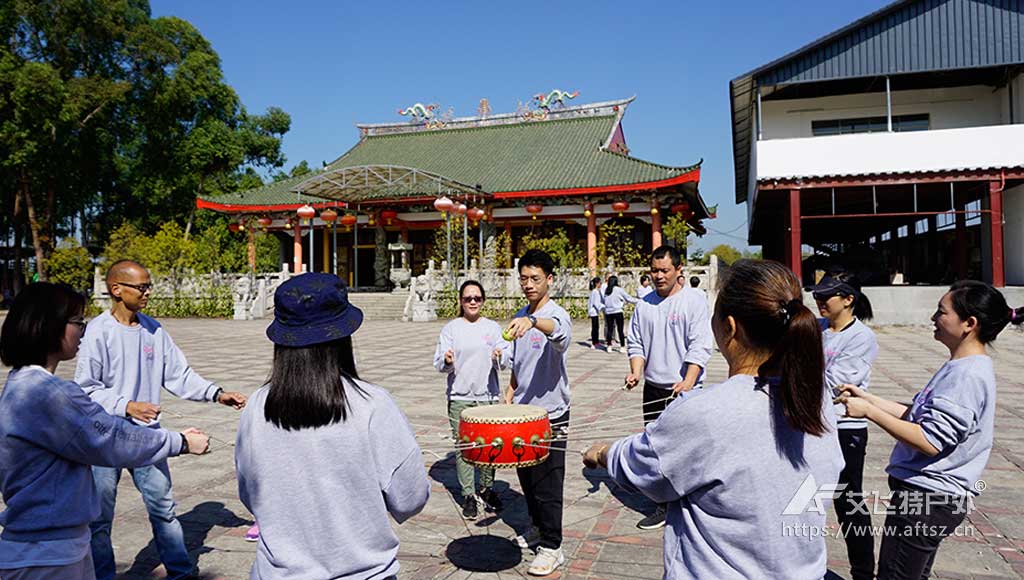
(387, 215)
(443, 204)
(234, 228)
(533, 209)
(329, 215)
(306, 212)
(348, 220)
(681, 207)
(620, 206)
(459, 208)
(475, 214)
(265, 222)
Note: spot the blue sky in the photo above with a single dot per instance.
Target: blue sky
(332, 63)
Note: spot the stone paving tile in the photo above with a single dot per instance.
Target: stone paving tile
(601, 540)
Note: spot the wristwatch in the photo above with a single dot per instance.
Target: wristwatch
(184, 444)
(532, 319)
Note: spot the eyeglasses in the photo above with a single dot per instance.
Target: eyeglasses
(472, 299)
(78, 321)
(142, 288)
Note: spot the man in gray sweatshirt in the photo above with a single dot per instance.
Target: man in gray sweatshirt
(125, 360)
(541, 334)
(669, 344)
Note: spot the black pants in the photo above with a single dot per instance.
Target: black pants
(911, 540)
(655, 401)
(544, 485)
(595, 329)
(853, 513)
(616, 321)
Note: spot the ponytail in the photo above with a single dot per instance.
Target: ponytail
(765, 298)
(1017, 316)
(799, 361)
(862, 307)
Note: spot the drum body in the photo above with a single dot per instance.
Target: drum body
(505, 435)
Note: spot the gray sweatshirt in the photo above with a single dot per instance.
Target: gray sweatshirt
(538, 362)
(956, 411)
(322, 496)
(118, 364)
(474, 376)
(616, 301)
(714, 457)
(670, 333)
(595, 302)
(849, 355)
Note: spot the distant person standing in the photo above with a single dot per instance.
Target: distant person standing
(595, 307)
(615, 299)
(695, 285)
(645, 287)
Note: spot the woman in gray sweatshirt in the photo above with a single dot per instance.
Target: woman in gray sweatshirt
(51, 433)
(944, 436)
(470, 350)
(324, 459)
(741, 464)
(850, 350)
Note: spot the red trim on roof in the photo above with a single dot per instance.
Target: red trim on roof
(693, 175)
(231, 207)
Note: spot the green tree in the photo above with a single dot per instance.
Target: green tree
(564, 253)
(726, 253)
(676, 230)
(71, 264)
(616, 242)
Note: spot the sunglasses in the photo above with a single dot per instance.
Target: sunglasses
(142, 288)
(473, 299)
(826, 296)
(78, 321)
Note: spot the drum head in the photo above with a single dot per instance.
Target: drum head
(499, 414)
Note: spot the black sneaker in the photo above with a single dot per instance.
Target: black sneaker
(491, 500)
(653, 521)
(469, 507)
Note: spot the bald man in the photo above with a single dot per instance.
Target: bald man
(125, 359)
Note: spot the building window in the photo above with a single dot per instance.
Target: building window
(900, 123)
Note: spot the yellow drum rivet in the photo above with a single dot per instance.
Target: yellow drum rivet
(518, 441)
(498, 443)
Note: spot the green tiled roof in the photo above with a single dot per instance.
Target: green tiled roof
(526, 156)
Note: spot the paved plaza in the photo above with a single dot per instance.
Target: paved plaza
(601, 540)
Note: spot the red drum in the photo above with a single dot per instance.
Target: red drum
(505, 435)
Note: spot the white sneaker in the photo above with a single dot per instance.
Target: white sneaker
(546, 562)
(529, 539)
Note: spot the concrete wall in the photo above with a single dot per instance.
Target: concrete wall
(911, 305)
(1003, 95)
(948, 108)
(1013, 234)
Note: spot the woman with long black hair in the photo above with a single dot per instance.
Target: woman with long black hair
(322, 457)
(944, 436)
(615, 299)
(729, 459)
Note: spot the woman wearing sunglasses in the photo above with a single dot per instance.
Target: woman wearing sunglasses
(850, 350)
(469, 351)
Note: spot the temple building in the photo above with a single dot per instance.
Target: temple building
(552, 166)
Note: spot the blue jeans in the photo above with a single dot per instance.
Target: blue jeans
(154, 483)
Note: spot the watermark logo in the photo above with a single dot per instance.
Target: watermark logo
(809, 497)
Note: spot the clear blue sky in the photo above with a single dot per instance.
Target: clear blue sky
(332, 63)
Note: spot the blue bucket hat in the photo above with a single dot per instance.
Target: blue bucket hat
(311, 309)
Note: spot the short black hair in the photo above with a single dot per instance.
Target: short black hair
(670, 251)
(645, 278)
(694, 281)
(537, 259)
(35, 326)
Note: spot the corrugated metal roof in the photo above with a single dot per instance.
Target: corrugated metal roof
(905, 37)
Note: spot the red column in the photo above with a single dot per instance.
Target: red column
(793, 235)
(592, 242)
(995, 204)
(960, 254)
(655, 226)
(297, 261)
